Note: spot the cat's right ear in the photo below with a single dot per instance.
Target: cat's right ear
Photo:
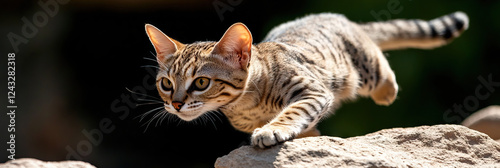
(165, 46)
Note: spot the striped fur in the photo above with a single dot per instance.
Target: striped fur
(398, 34)
(280, 88)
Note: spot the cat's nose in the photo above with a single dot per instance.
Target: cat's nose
(177, 105)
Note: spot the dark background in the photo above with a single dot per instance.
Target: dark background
(74, 72)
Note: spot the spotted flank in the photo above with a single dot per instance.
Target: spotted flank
(300, 73)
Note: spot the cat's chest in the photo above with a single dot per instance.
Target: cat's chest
(247, 119)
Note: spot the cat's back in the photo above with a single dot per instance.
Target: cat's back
(308, 27)
(319, 41)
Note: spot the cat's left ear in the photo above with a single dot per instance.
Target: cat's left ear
(235, 46)
(165, 46)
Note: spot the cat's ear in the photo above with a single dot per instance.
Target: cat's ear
(235, 46)
(164, 45)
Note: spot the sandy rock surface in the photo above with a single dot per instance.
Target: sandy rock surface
(34, 163)
(425, 146)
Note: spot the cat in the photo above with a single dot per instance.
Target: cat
(281, 88)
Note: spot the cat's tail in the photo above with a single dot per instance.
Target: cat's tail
(399, 34)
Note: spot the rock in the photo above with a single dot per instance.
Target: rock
(35, 163)
(425, 146)
(486, 120)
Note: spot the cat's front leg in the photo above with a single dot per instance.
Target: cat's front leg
(299, 117)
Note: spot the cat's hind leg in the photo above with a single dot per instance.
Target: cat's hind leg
(385, 88)
(386, 91)
(377, 79)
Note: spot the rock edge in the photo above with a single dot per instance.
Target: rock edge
(35, 163)
(424, 146)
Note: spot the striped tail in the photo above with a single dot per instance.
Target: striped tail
(399, 34)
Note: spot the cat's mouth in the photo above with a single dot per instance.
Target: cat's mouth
(188, 116)
(192, 112)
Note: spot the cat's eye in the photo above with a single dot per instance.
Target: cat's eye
(201, 83)
(166, 85)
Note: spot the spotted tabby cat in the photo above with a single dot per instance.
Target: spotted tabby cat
(280, 88)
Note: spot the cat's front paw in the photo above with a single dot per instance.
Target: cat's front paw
(270, 135)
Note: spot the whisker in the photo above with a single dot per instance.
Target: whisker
(203, 119)
(156, 56)
(195, 122)
(217, 113)
(163, 117)
(156, 60)
(211, 120)
(171, 118)
(142, 94)
(150, 100)
(151, 120)
(159, 119)
(150, 59)
(208, 119)
(150, 66)
(179, 122)
(148, 112)
(150, 103)
(257, 87)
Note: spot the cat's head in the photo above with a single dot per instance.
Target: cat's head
(200, 77)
